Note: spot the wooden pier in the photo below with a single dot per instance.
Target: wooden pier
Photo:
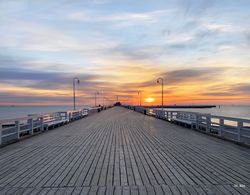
(120, 151)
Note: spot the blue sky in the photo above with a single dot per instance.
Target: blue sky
(200, 47)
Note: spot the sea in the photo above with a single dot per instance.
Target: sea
(11, 112)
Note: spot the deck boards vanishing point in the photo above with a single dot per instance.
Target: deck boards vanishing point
(119, 151)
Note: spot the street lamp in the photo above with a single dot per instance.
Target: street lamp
(96, 93)
(158, 81)
(139, 93)
(74, 90)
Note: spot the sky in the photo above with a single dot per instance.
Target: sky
(200, 48)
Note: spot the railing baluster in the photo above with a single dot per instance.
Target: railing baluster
(239, 127)
(42, 124)
(197, 122)
(208, 123)
(17, 125)
(221, 127)
(31, 125)
(69, 117)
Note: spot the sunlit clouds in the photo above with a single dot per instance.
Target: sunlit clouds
(200, 48)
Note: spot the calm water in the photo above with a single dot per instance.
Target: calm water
(10, 112)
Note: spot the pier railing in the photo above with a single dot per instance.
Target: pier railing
(13, 129)
(230, 128)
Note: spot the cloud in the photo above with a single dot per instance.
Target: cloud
(247, 35)
(132, 52)
(120, 19)
(242, 88)
(38, 37)
(44, 80)
(194, 76)
(198, 74)
(101, 1)
(219, 94)
(16, 72)
(195, 7)
(239, 89)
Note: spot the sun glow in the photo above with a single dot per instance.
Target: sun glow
(149, 100)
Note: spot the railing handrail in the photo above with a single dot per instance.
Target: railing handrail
(211, 115)
(231, 118)
(4, 121)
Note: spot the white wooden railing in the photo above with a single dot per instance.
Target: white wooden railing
(235, 129)
(13, 129)
(230, 128)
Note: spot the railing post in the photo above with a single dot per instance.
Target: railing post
(208, 123)
(42, 123)
(17, 125)
(69, 117)
(239, 127)
(197, 116)
(221, 128)
(167, 115)
(1, 128)
(31, 125)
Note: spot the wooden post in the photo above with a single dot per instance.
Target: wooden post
(221, 127)
(208, 123)
(17, 125)
(31, 125)
(239, 127)
(42, 124)
(197, 121)
(164, 114)
(69, 117)
(1, 127)
(167, 115)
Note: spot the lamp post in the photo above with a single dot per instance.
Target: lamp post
(74, 90)
(139, 93)
(96, 93)
(158, 81)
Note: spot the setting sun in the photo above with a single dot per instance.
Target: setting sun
(149, 100)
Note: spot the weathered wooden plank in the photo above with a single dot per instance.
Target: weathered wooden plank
(101, 190)
(142, 190)
(109, 190)
(118, 190)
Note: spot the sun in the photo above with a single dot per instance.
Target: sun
(149, 100)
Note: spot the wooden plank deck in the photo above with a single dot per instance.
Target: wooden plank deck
(119, 151)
